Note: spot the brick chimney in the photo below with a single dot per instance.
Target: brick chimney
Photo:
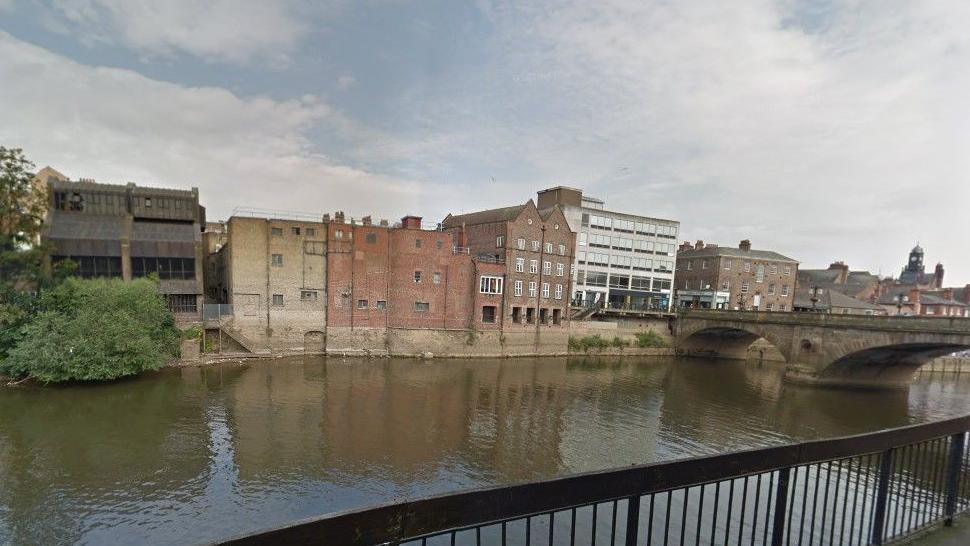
(914, 300)
(745, 244)
(338, 217)
(366, 220)
(938, 276)
(966, 294)
(843, 270)
(698, 245)
(411, 222)
(686, 246)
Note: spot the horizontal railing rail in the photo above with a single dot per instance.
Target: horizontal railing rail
(883, 485)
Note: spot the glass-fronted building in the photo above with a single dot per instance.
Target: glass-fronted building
(623, 261)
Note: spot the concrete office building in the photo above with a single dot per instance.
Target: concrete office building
(129, 231)
(622, 260)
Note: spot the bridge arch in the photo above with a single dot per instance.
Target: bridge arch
(885, 365)
(727, 340)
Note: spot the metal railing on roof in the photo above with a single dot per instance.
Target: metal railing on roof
(856, 490)
(271, 214)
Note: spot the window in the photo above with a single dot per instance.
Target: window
(787, 270)
(622, 262)
(546, 268)
(533, 266)
(727, 265)
(759, 276)
(370, 238)
(380, 305)
(646, 229)
(690, 265)
(530, 315)
(308, 295)
(623, 225)
(774, 269)
(295, 230)
(769, 307)
(744, 287)
(277, 260)
(556, 316)
(783, 307)
(520, 243)
(599, 241)
(362, 304)
(641, 264)
(532, 289)
(619, 281)
(165, 268)
(686, 284)
(544, 316)
(640, 283)
(663, 265)
(417, 277)
(726, 286)
(584, 219)
(562, 250)
(621, 243)
(488, 314)
(771, 289)
(661, 284)
(784, 290)
(704, 264)
(500, 241)
(148, 202)
(520, 265)
(181, 303)
(337, 234)
(548, 248)
(422, 306)
(558, 292)
(560, 270)
(600, 222)
(517, 315)
(747, 267)
(436, 278)
(581, 239)
(518, 288)
(595, 278)
(311, 232)
(417, 243)
(535, 246)
(278, 300)
(277, 232)
(489, 284)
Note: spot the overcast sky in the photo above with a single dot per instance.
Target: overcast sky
(824, 130)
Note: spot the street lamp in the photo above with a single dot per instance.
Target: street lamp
(900, 299)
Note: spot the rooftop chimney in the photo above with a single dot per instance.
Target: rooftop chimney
(411, 222)
(745, 244)
(384, 222)
(938, 276)
(698, 245)
(843, 270)
(914, 300)
(326, 218)
(686, 246)
(338, 217)
(366, 220)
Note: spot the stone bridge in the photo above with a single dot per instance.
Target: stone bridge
(824, 349)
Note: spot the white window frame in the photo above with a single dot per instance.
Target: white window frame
(545, 290)
(518, 288)
(558, 292)
(548, 248)
(535, 246)
(490, 284)
(562, 250)
(560, 270)
(533, 266)
(521, 243)
(520, 265)
(547, 268)
(500, 241)
(533, 289)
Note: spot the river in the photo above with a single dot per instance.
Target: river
(190, 455)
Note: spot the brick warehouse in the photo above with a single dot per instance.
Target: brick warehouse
(536, 249)
(389, 288)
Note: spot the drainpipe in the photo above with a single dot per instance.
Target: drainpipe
(542, 253)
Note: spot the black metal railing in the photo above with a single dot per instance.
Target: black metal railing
(865, 489)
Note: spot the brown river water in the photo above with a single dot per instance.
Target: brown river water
(192, 455)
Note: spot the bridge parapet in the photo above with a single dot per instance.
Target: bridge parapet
(939, 325)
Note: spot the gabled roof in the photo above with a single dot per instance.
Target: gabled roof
(490, 216)
(830, 298)
(713, 251)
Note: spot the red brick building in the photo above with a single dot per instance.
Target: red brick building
(407, 277)
(535, 251)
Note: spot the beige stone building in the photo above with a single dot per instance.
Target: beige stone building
(712, 276)
(273, 273)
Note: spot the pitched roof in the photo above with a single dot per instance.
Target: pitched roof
(830, 298)
(712, 251)
(490, 216)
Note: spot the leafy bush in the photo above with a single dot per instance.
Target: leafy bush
(584, 344)
(95, 330)
(650, 339)
(619, 343)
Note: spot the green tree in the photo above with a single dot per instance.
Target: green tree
(94, 330)
(22, 205)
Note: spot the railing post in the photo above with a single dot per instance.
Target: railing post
(953, 475)
(781, 505)
(633, 520)
(882, 496)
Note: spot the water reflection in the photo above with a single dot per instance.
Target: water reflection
(185, 456)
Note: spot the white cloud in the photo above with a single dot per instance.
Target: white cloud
(834, 135)
(235, 31)
(346, 81)
(116, 125)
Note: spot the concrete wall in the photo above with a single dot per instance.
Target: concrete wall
(441, 343)
(625, 329)
(253, 280)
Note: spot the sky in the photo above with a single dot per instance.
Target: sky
(827, 130)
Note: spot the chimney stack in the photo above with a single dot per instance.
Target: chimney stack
(938, 276)
(698, 245)
(745, 244)
(843, 270)
(338, 217)
(914, 300)
(366, 220)
(411, 222)
(686, 246)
